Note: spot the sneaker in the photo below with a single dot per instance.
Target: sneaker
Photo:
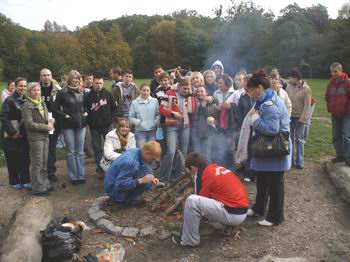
(299, 167)
(82, 181)
(247, 179)
(74, 182)
(251, 213)
(27, 186)
(265, 223)
(17, 186)
(177, 240)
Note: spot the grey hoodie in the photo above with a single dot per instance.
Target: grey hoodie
(219, 63)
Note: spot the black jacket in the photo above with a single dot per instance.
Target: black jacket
(70, 102)
(12, 110)
(101, 109)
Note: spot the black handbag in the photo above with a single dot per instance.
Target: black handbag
(270, 146)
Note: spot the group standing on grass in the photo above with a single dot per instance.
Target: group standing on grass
(211, 115)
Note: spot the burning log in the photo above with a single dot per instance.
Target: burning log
(173, 196)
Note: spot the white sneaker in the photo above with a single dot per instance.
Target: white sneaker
(247, 179)
(251, 213)
(265, 223)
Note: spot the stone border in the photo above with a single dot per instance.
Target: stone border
(100, 219)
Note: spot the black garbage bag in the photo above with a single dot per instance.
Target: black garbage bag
(60, 242)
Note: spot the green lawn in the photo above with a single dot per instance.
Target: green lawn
(319, 143)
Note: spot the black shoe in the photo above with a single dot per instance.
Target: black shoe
(299, 167)
(51, 189)
(45, 193)
(52, 178)
(82, 182)
(347, 162)
(337, 159)
(177, 240)
(74, 182)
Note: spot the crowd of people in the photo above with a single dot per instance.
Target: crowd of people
(208, 113)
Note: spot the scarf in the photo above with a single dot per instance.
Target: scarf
(38, 104)
(263, 98)
(123, 140)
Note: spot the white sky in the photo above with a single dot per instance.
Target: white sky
(32, 14)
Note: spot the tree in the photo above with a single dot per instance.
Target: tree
(344, 11)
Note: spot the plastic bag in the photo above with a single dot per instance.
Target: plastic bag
(159, 133)
(60, 242)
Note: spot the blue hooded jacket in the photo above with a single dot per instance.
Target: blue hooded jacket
(122, 176)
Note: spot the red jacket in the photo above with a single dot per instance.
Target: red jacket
(171, 103)
(224, 186)
(338, 96)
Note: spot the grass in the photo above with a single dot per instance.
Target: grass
(319, 144)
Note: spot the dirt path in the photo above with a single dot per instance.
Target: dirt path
(317, 224)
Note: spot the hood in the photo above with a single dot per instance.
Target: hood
(219, 63)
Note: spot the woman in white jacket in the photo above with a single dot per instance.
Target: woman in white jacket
(277, 87)
(117, 141)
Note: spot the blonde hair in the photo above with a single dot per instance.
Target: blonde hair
(153, 148)
(209, 72)
(31, 85)
(199, 74)
(73, 74)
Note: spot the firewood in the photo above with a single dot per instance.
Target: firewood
(178, 201)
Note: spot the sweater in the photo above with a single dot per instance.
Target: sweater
(300, 98)
(177, 103)
(338, 96)
(101, 109)
(144, 114)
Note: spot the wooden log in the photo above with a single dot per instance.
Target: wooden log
(170, 192)
(178, 201)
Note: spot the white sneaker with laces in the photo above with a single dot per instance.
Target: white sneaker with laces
(265, 223)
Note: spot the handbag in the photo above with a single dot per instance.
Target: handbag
(270, 146)
(159, 133)
(16, 125)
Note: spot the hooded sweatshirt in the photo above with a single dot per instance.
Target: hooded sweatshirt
(219, 63)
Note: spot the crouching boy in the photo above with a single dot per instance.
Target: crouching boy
(220, 196)
(129, 175)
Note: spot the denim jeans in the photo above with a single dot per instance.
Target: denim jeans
(177, 138)
(97, 145)
(298, 141)
(341, 136)
(144, 136)
(74, 139)
(201, 145)
(51, 160)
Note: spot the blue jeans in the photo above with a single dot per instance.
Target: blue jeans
(201, 145)
(298, 141)
(144, 136)
(177, 138)
(74, 139)
(341, 136)
(308, 124)
(51, 160)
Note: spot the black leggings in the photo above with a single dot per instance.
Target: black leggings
(18, 167)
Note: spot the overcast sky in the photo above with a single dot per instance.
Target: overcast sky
(32, 14)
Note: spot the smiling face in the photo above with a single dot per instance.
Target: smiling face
(210, 78)
(201, 93)
(21, 87)
(196, 80)
(185, 90)
(124, 127)
(11, 87)
(222, 86)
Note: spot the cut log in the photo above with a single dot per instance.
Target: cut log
(172, 197)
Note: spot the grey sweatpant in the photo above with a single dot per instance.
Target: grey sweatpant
(198, 206)
(39, 151)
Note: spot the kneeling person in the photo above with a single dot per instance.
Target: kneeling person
(220, 196)
(129, 175)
